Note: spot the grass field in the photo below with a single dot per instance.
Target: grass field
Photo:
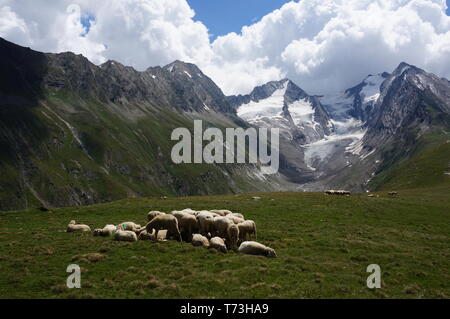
(324, 245)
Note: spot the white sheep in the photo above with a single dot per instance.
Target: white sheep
(219, 244)
(168, 222)
(154, 213)
(74, 227)
(247, 228)
(206, 222)
(190, 211)
(235, 219)
(106, 231)
(129, 226)
(225, 228)
(221, 212)
(125, 235)
(199, 240)
(254, 248)
(162, 235)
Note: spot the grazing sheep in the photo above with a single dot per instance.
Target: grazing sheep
(247, 228)
(221, 212)
(206, 222)
(221, 225)
(107, 231)
(393, 193)
(144, 235)
(73, 227)
(129, 226)
(188, 225)
(199, 240)
(219, 244)
(154, 213)
(235, 219)
(225, 228)
(168, 222)
(125, 235)
(233, 236)
(254, 248)
(190, 211)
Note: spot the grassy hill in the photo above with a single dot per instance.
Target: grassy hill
(324, 245)
(428, 167)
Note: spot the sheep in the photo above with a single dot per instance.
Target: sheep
(219, 244)
(254, 248)
(74, 227)
(199, 240)
(235, 219)
(233, 234)
(125, 235)
(129, 226)
(225, 228)
(190, 211)
(168, 222)
(152, 214)
(144, 235)
(188, 225)
(221, 212)
(247, 228)
(237, 215)
(221, 226)
(205, 222)
(106, 231)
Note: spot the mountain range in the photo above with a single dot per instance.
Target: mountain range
(74, 133)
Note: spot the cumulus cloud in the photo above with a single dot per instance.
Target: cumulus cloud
(140, 33)
(323, 45)
(330, 45)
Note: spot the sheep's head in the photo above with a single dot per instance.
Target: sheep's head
(271, 253)
(72, 222)
(98, 232)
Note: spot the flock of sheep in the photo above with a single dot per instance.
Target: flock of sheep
(218, 229)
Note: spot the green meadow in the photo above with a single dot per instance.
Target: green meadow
(324, 245)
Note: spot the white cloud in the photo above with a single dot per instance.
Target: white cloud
(330, 45)
(323, 45)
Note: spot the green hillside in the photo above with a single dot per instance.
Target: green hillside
(324, 245)
(428, 167)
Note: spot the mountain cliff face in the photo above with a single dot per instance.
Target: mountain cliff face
(73, 133)
(351, 138)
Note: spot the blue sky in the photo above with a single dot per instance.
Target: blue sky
(448, 9)
(225, 16)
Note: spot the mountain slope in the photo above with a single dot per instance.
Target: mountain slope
(73, 133)
(364, 131)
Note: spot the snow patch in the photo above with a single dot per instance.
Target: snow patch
(302, 112)
(187, 73)
(272, 107)
(371, 91)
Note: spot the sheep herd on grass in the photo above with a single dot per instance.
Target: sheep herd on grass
(221, 230)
